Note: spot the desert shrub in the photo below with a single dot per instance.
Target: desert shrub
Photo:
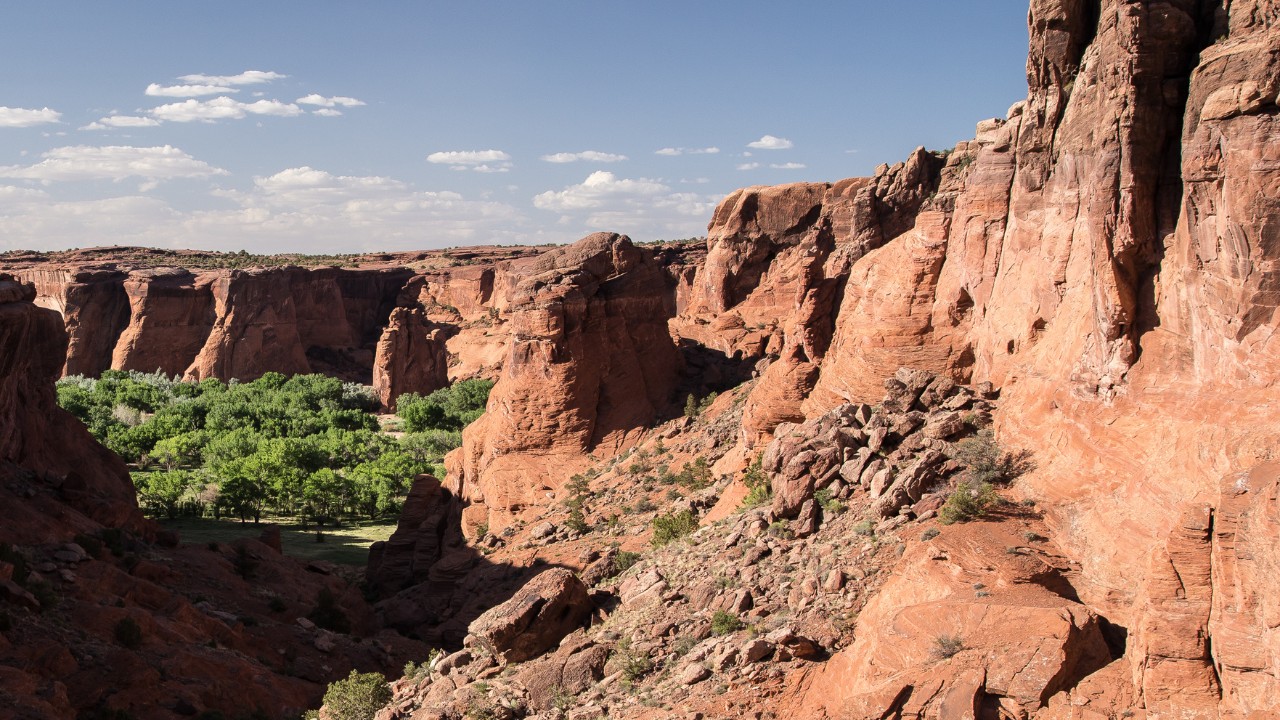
(632, 663)
(828, 503)
(358, 697)
(672, 526)
(723, 623)
(865, 528)
(624, 560)
(757, 483)
(45, 593)
(968, 502)
(945, 646)
(245, 564)
(91, 544)
(930, 534)
(328, 614)
(695, 475)
(15, 558)
(128, 634)
(986, 462)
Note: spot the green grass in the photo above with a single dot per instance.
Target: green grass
(347, 545)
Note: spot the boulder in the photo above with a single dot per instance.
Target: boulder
(542, 612)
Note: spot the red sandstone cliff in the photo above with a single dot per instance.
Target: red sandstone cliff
(58, 479)
(589, 365)
(1105, 254)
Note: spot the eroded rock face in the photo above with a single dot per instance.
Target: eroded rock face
(546, 609)
(427, 531)
(411, 356)
(778, 260)
(1104, 253)
(53, 459)
(94, 307)
(171, 315)
(930, 645)
(590, 364)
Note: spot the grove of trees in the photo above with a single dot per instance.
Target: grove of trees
(308, 446)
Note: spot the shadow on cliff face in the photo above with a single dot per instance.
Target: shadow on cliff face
(707, 370)
(427, 581)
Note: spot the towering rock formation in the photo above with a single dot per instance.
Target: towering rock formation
(590, 363)
(1105, 254)
(56, 479)
(777, 263)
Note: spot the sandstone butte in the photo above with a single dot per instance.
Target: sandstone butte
(1105, 253)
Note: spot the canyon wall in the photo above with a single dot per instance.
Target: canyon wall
(56, 479)
(1106, 254)
(590, 365)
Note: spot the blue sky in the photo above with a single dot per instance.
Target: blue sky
(346, 127)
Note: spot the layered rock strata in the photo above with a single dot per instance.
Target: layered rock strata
(589, 365)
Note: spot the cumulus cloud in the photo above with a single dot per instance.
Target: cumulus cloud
(595, 190)
(248, 77)
(112, 162)
(121, 121)
(485, 161)
(677, 151)
(336, 100)
(788, 166)
(769, 142)
(300, 208)
(749, 166)
(586, 155)
(222, 108)
(326, 112)
(23, 117)
(158, 90)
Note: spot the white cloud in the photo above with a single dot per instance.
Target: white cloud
(297, 209)
(121, 121)
(112, 162)
(749, 166)
(769, 142)
(326, 112)
(222, 108)
(484, 161)
(314, 99)
(594, 191)
(676, 151)
(23, 117)
(158, 90)
(788, 166)
(586, 155)
(248, 77)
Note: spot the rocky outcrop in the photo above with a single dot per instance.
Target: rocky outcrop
(546, 609)
(53, 467)
(778, 261)
(411, 356)
(94, 307)
(964, 628)
(171, 314)
(1104, 253)
(590, 364)
(427, 531)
